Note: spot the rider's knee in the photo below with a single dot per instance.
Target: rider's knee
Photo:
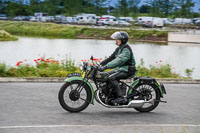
(111, 78)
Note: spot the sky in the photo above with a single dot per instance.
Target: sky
(196, 7)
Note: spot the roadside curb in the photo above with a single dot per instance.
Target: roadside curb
(61, 79)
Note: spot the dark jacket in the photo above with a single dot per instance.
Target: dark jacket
(121, 58)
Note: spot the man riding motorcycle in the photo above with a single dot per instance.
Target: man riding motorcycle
(122, 59)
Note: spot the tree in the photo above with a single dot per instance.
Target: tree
(145, 9)
(155, 7)
(186, 8)
(123, 7)
(34, 6)
(99, 6)
(133, 6)
(14, 8)
(164, 8)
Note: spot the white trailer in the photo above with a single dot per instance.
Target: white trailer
(167, 20)
(108, 17)
(151, 21)
(60, 19)
(142, 20)
(40, 16)
(128, 19)
(86, 18)
(72, 20)
(107, 21)
(182, 21)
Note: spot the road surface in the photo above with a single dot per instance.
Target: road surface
(34, 108)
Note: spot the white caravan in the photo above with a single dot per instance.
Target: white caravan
(182, 21)
(151, 21)
(128, 19)
(108, 17)
(86, 18)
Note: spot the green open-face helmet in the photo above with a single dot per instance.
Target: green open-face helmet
(120, 35)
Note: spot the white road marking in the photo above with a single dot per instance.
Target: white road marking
(128, 125)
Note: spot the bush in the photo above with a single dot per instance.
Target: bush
(189, 72)
(2, 70)
(48, 67)
(158, 71)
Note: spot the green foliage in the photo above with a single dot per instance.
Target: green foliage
(42, 68)
(2, 69)
(158, 8)
(145, 9)
(22, 71)
(5, 36)
(158, 71)
(53, 68)
(189, 72)
(53, 7)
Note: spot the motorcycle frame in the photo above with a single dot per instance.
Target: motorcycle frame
(85, 80)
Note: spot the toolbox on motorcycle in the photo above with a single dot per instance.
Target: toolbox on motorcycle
(145, 80)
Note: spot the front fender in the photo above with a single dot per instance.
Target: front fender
(88, 83)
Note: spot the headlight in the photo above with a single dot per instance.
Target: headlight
(81, 67)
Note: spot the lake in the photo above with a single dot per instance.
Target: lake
(28, 48)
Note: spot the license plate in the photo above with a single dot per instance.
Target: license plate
(74, 75)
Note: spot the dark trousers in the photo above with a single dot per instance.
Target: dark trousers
(114, 78)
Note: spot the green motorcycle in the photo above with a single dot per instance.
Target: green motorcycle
(143, 94)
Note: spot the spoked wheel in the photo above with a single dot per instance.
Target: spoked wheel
(147, 93)
(73, 97)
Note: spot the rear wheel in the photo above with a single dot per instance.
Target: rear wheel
(73, 100)
(147, 93)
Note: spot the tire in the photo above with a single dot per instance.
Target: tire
(66, 105)
(157, 98)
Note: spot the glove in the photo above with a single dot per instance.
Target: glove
(102, 68)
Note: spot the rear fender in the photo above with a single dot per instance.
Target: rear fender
(88, 83)
(150, 81)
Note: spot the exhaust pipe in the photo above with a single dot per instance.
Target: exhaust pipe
(136, 103)
(139, 103)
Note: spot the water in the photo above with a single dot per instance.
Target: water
(179, 57)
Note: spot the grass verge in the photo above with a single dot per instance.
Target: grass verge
(63, 31)
(5, 36)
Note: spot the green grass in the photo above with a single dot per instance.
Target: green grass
(5, 36)
(39, 29)
(63, 31)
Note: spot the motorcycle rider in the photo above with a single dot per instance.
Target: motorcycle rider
(122, 59)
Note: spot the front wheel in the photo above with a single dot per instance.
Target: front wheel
(147, 93)
(73, 97)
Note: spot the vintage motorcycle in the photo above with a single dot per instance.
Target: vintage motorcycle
(143, 94)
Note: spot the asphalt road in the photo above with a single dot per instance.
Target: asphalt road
(34, 108)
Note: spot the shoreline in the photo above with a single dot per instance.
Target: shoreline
(162, 42)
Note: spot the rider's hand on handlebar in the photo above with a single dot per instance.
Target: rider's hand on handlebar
(102, 68)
